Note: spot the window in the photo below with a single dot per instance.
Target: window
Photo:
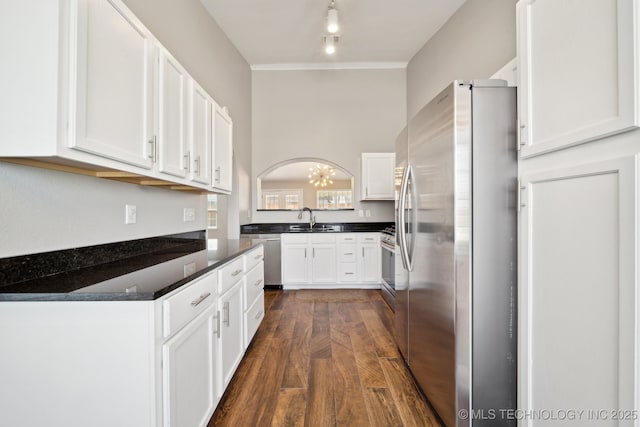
(282, 199)
(212, 211)
(334, 199)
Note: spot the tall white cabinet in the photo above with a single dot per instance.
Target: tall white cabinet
(578, 327)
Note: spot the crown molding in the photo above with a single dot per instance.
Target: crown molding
(330, 66)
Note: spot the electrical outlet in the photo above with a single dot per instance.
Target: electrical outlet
(189, 215)
(360, 213)
(368, 213)
(130, 214)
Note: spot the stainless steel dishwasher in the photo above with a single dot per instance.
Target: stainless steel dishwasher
(272, 265)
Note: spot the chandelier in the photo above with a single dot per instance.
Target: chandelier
(321, 175)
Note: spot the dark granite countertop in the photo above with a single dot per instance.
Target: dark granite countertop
(303, 227)
(145, 269)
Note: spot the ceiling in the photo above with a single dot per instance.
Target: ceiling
(289, 33)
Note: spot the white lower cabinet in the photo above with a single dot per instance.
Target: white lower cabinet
(368, 254)
(338, 260)
(128, 363)
(231, 346)
(253, 301)
(188, 369)
(578, 292)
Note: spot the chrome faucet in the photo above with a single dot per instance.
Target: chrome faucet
(312, 219)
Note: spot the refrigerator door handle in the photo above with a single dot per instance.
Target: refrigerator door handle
(406, 262)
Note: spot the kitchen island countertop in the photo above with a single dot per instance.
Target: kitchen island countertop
(149, 273)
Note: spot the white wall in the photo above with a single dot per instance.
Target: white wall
(473, 44)
(329, 114)
(43, 210)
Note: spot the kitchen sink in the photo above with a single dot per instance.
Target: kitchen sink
(318, 228)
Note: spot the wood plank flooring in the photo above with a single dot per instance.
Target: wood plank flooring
(323, 358)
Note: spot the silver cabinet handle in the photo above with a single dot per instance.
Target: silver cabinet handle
(363, 252)
(217, 323)
(225, 310)
(305, 252)
(217, 174)
(185, 162)
(235, 273)
(196, 165)
(348, 253)
(314, 252)
(201, 298)
(259, 314)
(153, 155)
(349, 273)
(258, 282)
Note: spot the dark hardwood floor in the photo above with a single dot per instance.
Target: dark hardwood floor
(323, 358)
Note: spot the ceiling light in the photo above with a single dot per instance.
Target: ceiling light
(332, 18)
(330, 44)
(321, 175)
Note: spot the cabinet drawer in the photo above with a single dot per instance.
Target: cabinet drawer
(179, 309)
(253, 285)
(230, 274)
(347, 272)
(253, 257)
(369, 238)
(346, 238)
(253, 318)
(347, 253)
(323, 238)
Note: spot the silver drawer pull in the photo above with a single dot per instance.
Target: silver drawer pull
(348, 253)
(200, 299)
(348, 273)
(259, 315)
(257, 282)
(235, 273)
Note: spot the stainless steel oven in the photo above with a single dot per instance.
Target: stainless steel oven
(388, 259)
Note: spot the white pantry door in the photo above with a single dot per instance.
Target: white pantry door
(578, 334)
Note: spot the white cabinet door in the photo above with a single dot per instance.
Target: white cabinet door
(190, 392)
(223, 150)
(324, 263)
(578, 68)
(378, 176)
(578, 290)
(369, 263)
(295, 263)
(114, 87)
(231, 330)
(200, 128)
(172, 115)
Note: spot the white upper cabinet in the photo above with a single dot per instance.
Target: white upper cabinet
(172, 114)
(223, 150)
(200, 130)
(377, 176)
(578, 71)
(114, 90)
(90, 88)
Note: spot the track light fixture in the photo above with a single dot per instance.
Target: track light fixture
(332, 18)
(330, 44)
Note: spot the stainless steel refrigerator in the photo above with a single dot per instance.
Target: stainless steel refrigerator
(456, 229)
